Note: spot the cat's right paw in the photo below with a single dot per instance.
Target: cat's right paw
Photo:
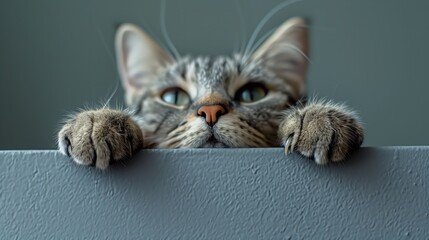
(100, 137)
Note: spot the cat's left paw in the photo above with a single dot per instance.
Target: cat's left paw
(324, 132)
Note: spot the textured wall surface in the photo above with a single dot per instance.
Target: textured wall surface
(381, 193)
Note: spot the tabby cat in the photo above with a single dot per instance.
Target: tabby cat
(250, 100)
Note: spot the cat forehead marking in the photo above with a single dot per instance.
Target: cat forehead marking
(208, 72)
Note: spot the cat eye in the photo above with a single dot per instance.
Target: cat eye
(251, 93)
(175, 96)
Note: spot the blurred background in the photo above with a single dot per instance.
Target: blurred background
(57, 56)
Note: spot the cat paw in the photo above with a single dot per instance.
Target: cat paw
(100, 137)
(323, 132)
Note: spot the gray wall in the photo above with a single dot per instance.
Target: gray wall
(382, 193)
(57, 56)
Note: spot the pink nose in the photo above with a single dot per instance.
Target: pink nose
(211, 113)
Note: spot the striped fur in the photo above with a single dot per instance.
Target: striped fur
(322, 131)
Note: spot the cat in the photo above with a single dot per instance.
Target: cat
(249, 100)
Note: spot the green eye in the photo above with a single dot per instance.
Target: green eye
(175, 96)
(251, 93)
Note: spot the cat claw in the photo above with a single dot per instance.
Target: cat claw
(290, 144)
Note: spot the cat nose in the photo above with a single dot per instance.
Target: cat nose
(211, 113)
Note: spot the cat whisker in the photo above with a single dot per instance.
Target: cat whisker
(111, 95)
(172, 141)
(177, 141)
(109, 52)
(247, 136)
(169, 144)
(105, 45)
(243, 32)
(298, 50)
(262, 39)
(178, 131)
(257, 140)
(170, 44)
(262, 23)
(256, 133)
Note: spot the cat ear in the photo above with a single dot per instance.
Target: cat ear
(285, 53)
(140, 59)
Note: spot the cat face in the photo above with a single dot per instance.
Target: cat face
(213, 101)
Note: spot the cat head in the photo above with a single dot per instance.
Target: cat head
(213, 101)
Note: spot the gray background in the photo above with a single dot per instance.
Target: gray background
(57, 56)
